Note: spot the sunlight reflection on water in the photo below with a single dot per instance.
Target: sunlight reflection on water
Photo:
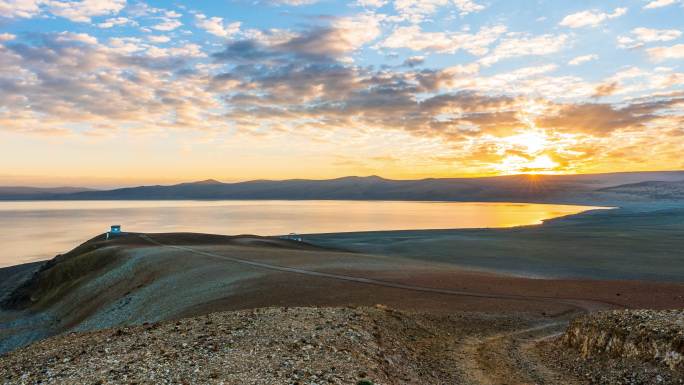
(38, 230)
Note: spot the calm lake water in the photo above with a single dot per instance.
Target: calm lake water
(31, 231)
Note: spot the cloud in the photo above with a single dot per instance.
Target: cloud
(526, 46)
(341, 37)
(412, 61)
(76, 11)
(167, 24)
(603, 119)
(468, 6)
(83, 11)
(417, 11)
(659, 4)
(19, 8)
(215, 26)
(606, 89)
(641, 36)
(591, 18)
(371, 3)
(414, 38)
(582, 59)
(116, 21)
(597, 119)
(658, 54)
(57, 81)
(158, 38)
(7, 36)
(268, 86)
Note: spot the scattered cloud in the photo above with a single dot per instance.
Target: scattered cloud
(322, 77)
(116, 21)
(590, 18)
(414, 61)
(525, 45)
(158, 38)
(371, 3)
(216, 26)
(71, 78)
(330, 42)
(19, 8)
(414, 38)
(417, 11)
(83, 11)
(468, 6)
(640, 36)
(77, 11)
(606, 89)
(167, 24)
(666, 53)
(659, 3)
(582, 59)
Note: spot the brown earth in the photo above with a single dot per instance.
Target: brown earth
(465, 327)
(278, 346)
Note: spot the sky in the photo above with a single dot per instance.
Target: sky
(106, 93)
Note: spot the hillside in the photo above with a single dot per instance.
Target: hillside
(361, 346)
(138, 278)
(521, 188)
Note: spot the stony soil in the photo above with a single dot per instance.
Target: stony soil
(264, 346)
(347, 345)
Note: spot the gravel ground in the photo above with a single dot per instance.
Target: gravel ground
(264, 346)
(351, 345)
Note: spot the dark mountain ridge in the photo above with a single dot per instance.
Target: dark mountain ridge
(532, 188)
(26, 192)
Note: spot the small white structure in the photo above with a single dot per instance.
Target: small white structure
(114, 230)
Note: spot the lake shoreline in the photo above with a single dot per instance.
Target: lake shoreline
(36, 230)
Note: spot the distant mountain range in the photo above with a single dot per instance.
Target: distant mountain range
(23, 192)
(519, 188)
(652, 190)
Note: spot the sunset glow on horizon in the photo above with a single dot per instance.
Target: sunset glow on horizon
(108, 93)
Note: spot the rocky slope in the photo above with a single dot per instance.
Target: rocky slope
(264, 346)
(361, 345)
(623, 347)
(649, 336)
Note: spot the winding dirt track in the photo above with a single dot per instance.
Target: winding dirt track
(579, 304)
(506, 358)
(502, 358)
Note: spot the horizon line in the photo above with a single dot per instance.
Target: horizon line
(105, 188)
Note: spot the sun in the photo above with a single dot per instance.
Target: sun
(527, 153)
(532, 141)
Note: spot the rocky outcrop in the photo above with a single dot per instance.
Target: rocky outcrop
(653, 337)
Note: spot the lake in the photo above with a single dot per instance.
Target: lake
(31, 231)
